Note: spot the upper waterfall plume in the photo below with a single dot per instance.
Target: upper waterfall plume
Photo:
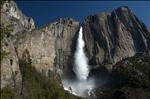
(81, 66)
(82, 86)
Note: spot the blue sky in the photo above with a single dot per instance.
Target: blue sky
(44, 12)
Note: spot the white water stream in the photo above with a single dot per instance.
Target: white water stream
(82, 86)
(81, 68)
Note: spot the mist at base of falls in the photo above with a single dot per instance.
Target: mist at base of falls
(81, 86)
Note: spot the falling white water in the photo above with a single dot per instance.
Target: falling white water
(82, 86)
(81, 66)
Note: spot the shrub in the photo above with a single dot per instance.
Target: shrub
(7, 93)
(37, 86)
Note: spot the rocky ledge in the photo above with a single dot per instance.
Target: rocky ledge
(109, 38)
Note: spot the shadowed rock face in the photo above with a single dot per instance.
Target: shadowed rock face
(111, 37)
(129, 79)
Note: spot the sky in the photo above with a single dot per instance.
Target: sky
(44, 12)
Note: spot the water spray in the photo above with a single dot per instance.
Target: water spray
(81, 68)
(82, 86)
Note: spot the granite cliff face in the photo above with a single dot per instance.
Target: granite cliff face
(18, 22)
(51, 47)
(12, 15)
(111, 37)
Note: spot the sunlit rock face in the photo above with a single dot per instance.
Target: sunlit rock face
(10, 71)
(111, 37)
(13, 16)
(108, 38)
(50, 47)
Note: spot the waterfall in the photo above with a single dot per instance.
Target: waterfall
(82, 86)
(81, 65)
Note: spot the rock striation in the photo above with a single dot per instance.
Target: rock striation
(51, 47)
(111, 37)
(13, 16)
